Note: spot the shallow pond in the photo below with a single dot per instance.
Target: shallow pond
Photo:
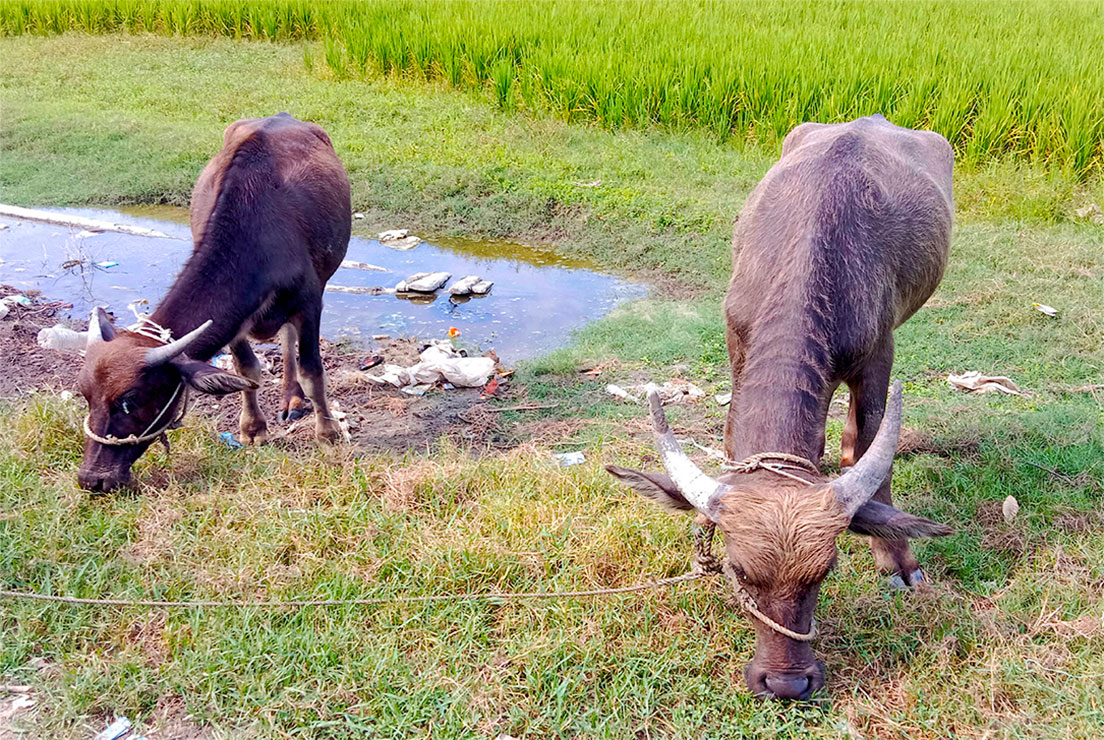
(538, 298)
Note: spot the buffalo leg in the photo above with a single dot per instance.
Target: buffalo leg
(254, 431)
(294, 404)
(311, 375)
(736, 362)
(850, 434)
(868, 398)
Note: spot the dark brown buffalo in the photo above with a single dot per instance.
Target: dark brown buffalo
(842, 241)
(270, 218)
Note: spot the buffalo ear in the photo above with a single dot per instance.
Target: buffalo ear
(100, 328)
(207, 379)
(876, 519)
(655, 486)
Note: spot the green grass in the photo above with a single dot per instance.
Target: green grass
(993, 77)
(1007, 644)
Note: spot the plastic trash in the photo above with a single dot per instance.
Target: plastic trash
(439, 361)
(121, 726)
(1010, 508)
(568, 459)
(17, 299)
(974, 381)
(618, 392)
(4, 310)
(1044, 308)
(230, 441)
(62, 339)
(672, 392)
(225, 362)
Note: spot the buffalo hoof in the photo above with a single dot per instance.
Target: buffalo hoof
(327, 431)
(254, 435)
(915, 579)
(292, 414)
(297, 408)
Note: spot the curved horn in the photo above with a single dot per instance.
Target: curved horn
(697, 488)
(855, 487)
(100, 328)
(166, 353)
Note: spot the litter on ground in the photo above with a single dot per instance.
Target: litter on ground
(974, 381)
(1044, 308)
(62, 339)
(672, 392)
(117, 729)
(225, 362)
(230, 441)
(567, 459)
(439, 362)
(1010, 508)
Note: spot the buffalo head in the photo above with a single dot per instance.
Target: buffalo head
(135, 386)
(780, 538)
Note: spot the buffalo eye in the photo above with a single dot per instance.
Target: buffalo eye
(126, 402)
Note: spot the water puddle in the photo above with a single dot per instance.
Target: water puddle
(538, 298)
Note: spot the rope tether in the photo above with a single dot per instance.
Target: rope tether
(298, 603)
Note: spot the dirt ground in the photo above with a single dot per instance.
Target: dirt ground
(379, 418)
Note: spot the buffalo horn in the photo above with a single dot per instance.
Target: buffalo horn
(168, 352)
(855, 487)
(697, 488)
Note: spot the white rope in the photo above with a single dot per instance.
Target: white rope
(147, 435)
(505, 596)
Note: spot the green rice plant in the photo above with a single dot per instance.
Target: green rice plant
(1013, 78)
(502, 76)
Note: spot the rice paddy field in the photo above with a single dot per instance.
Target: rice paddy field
(995, 78)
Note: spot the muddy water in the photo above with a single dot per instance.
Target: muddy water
(538, 298)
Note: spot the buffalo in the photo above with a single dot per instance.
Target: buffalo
(270, 218)
(842, 241)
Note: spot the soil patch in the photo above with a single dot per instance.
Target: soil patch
(380, 418)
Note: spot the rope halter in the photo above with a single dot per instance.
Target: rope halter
(146, 327)
(150, 432)
(780, 463)
(747, 601)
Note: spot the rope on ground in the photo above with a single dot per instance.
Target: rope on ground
(370, 601)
